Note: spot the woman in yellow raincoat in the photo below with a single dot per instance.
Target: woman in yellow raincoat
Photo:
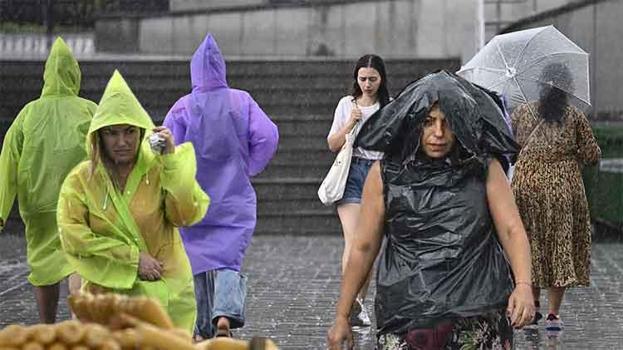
(43, 144)
(118, 212)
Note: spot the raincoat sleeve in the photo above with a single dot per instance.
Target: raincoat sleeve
(103, 260)
(588, 150)
(9, 160)
(176, 125)
(263, 138)
(185, 202)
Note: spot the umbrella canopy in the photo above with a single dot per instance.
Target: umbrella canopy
(524, 65)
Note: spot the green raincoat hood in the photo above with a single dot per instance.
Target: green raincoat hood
(62, 73)
(119, 106)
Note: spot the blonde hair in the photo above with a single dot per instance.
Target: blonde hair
(98, 154)
(95, 153)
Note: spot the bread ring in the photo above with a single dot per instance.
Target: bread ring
(13, 335)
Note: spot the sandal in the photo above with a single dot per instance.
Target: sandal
(223, 328)
(223, 332)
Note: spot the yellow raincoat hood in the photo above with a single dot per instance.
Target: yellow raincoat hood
(62, 73)
(103, 230)
(45, 141)
(119, 106)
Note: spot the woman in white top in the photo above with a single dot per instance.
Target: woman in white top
(369, 94)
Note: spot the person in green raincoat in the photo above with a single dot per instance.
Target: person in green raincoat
(118, 212)
(44, 142)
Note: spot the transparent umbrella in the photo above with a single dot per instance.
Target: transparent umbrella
(524, 65)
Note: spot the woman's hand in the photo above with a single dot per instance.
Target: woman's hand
(521, 305)
(355, 116)
(340, 333)
(166, 134)
(149, 269)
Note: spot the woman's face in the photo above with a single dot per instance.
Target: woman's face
(369, 81)
(437, 138)
(120, 142)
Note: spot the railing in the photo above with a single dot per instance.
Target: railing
(16, 46)
(75, 14)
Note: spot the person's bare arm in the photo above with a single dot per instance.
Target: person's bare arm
(512, 236)
(362, 254)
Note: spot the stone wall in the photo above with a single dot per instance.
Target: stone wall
(398, 29)
(502, 13)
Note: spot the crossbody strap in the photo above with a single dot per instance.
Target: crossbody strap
(355, 130)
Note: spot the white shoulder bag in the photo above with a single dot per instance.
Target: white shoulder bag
(332, 188)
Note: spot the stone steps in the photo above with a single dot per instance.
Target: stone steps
(299, 95)
(276, 85)
(285, 196)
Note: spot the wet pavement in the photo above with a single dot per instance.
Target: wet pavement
(294, 283)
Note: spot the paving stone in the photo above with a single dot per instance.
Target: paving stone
(294, 284)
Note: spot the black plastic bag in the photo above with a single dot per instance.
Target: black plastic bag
(474, 113)
(442, 260)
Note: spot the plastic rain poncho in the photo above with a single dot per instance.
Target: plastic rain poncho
(442, 260)
(43, 144)
(234, 139)
(102, 230)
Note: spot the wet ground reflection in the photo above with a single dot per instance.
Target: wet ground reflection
(538, 338)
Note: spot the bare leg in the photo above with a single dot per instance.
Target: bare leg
(555, 295)
(74, 283)
(536, 294)
(349, 216)
(47, 302)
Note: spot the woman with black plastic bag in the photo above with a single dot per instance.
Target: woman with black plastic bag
(442, 200)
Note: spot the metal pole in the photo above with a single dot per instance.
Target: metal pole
(498, 10)
(49, 22)
(480, 15)
(593, 64)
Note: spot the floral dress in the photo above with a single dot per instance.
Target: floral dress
(489, 331)
(549, 192)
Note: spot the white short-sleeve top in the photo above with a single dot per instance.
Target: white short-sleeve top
(341, 116)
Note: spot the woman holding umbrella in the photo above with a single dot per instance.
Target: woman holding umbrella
(557, 141)
(545, 74)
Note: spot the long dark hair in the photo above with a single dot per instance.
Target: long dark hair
(554, 101)
(376, 62)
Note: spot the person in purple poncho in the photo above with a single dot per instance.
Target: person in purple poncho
(234, 140)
